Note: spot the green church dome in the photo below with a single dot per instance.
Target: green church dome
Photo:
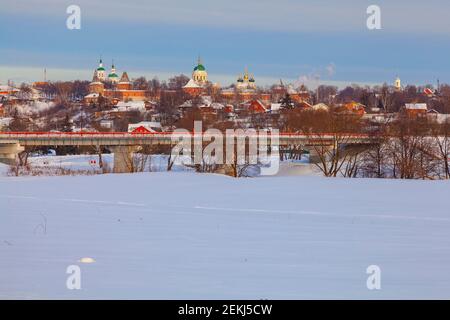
(199, 67)
(100, 69)
(113, 75)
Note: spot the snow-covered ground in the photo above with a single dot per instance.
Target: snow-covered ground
(87, 164)
(155, 163)
(3, 169)
(73, 162)
(185, 235)
(34, 107)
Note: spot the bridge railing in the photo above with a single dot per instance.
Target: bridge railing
(10, 135)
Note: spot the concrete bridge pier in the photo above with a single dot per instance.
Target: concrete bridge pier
(314, 154)
(123, 158)
(9, 152)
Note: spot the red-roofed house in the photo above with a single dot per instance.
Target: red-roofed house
(192, 88)
(415, 109)
(141, 130)
(257, 106)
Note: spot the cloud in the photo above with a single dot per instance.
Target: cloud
(405, 16)
(331, 69)
(314, 78)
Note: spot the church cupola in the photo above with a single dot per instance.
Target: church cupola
(113, 77)
(101, 74)
(398, 84)
(199, 75)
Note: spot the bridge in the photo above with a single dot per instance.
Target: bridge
(124, 144)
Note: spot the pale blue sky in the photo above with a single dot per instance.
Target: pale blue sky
(316, 41)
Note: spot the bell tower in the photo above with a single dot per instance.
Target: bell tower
(398, 84)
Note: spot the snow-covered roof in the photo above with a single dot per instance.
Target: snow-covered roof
(6, 88)
(152, 124)
(131, 104)
(217, 106)
(186, 104)
(227, 91)
(149, 125)
(191, 84)
(5, 121)
(92, 95)
(416, 106)
(320, 106)
(275, 106)
(122, 106)
(207, 100)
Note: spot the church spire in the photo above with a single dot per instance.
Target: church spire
(95, 77)
(246, 77)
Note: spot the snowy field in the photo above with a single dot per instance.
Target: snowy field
(183, 235)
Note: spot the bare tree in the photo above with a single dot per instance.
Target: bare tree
(411, 151)
(386, 98)
(374, 162)
(330, 144)
(441, 138)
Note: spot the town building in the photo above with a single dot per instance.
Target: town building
(7, 90)
(145, 127)
(414, 110)
(351, 107)
(192, 88)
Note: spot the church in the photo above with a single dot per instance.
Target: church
(196, 85)
(112, 87)
(246, 82)
(244, 89)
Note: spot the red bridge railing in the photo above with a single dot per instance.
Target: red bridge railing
(130, 134)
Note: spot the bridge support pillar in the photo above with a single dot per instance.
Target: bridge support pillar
(316, 155)
(123, 158)
(9, 152)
